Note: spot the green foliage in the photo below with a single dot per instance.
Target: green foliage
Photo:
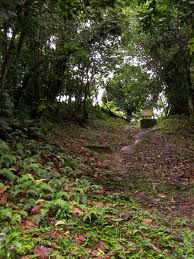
(6, 105)
(32, 187)
(52, 203)
(133, 89)
(54, 57)
(93, 214)
(8, 159)
(72, 36)
(58, 208)
(8, 173)
(4, 147)
(109, 106)
(168, 33)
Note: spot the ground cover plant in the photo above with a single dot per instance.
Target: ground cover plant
(78, 178)
(62, 199)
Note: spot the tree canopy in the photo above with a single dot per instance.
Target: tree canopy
(79, 177)
(54, 51)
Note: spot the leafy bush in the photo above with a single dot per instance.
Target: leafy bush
(6, 104)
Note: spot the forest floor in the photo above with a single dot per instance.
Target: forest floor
(104, 190)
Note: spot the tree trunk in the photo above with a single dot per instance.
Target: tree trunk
(190, 87)
(7, 62)
(179, 87)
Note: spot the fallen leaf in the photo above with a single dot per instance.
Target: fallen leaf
(126, 216)
(2, 190)
(40, 200)
(156, 248)
(37, 209)
(162, 195)
(60, 222)
(68, 190)
(41, 252)
(3, 198)
(27, 224)
(109, 204)
(101, 245)
(99, 204)
(148, 221)
(54, 234)
(80, 239)
(35, 219)
(76, 210)
(42, 180)
(16, 167)
(56, 142)
(141, 194)
(94, 254)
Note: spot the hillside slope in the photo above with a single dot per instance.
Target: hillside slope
(104, 190)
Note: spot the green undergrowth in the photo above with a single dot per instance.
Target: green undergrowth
(181, 126)
(49, 203)
(103, 120)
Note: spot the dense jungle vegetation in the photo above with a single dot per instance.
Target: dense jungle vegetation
(69, 50)
(77, 180)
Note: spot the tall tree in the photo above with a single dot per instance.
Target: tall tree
(169, 29)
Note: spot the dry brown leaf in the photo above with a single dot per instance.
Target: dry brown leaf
(41, 251)
(141, 194)
(101, 245)
(76, 210)
(148, 221)
(109, 204)
(16, 167)
(99, 204)
(80, 239)
(37, 209)
(3, 198)
(54, 234)
(2, 190)
(27, 224)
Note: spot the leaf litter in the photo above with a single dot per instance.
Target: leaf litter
(102, 204)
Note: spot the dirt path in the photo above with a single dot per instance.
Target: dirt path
(137, 138)
(148, 166)
(163, 180)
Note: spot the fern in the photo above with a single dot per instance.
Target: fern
(20, 150)
(6, 213)
(35, 188)
(93, 213)
(4, 147)
(59, 208)
(60, 203)
(4, 187)
(8, 173)
(8, 159)
(34, 167)
(6, 104)
(63, 194)
(42, 187)
(25, 178)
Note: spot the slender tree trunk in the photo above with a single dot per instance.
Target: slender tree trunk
(190, 88)
(7, 62)
(85, 103)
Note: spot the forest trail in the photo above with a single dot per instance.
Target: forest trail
(147, 165)
(137, 138)
(103, 190)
